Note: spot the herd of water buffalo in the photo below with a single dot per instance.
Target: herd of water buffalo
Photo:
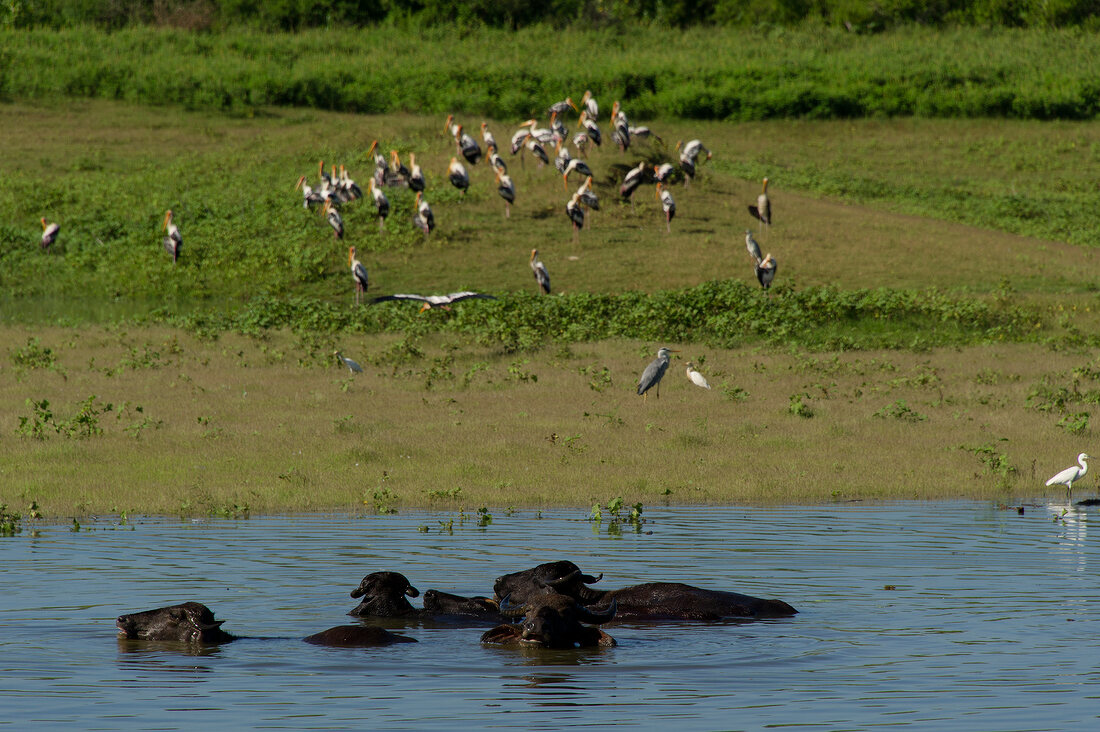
(558, 607)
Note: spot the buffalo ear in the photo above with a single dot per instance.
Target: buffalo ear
(364, 586)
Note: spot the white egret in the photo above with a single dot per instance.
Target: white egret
(696, 378)
(1069, 475)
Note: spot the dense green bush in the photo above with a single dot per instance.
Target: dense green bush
(504, 74)
(855, 15)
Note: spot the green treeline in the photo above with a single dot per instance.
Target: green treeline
(854, 15)
(782, 73)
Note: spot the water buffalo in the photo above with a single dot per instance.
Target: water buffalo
(519, 586)
(647, 601)
(193, 622)
(442, 605)
(356, 636)
(551, 620)
(384, 596)
(190, 622)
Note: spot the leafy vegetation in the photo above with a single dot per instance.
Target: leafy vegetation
(812, 73)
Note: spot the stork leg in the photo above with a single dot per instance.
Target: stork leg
(507, 210)
(668, 223)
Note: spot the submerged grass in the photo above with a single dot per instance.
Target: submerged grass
(267, 425)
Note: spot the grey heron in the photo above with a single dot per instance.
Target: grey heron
(753, 247)
(173, 242)
(696, 378)
(49, 233)
(654, 372)
(353, 367)
(1071, 474)
(539, 269)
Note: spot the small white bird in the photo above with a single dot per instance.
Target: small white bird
(353, 367)
(1069, 475)
(696, 378)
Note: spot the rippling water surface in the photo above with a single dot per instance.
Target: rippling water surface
(921, 615)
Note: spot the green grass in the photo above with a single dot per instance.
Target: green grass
(201, 427)
(813, 73)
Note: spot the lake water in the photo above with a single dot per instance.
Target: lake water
(930, 616)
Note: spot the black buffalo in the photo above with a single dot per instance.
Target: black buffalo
(647, 601)
(193, 623)
(551, 620)
(189, 622)
(384, 595)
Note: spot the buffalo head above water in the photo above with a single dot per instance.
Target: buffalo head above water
(384, 595)
(561, 576)
(551, 620)
(189, 622)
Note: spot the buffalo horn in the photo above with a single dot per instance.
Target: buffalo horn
(565, 580)
(597, 616)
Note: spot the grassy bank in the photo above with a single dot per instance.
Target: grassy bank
(108, 172)
(813, 73)
(179, 425)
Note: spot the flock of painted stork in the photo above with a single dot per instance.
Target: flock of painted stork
(337, 188)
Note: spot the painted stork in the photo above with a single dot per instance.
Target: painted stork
(458, 176)
(539, 270)
(560, 107)
(537, 150)
(335, 220)
(468, 147)
(763, 208)
(423, 218)
(643, 132)
(590, 107)
(667, 205)
(544, 135)
(587, 196)
(576, 165)
(416, 175)
(765, 271)
(381, 203)
(696, 378)
(487, 136)
(450, 126)
(692, 148)
(49, 233)
(349, 185)
(435, 301)
(620, 127)
(310, 198)
(398, 168)
(173, 242)
(558, 131)
(662, 172)
(520, 137)
(654, 372)
(634, 178)
(359, 274)
(591, 128)
(576, 214)
(496, 161)
(563, 157)
(507, 191)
